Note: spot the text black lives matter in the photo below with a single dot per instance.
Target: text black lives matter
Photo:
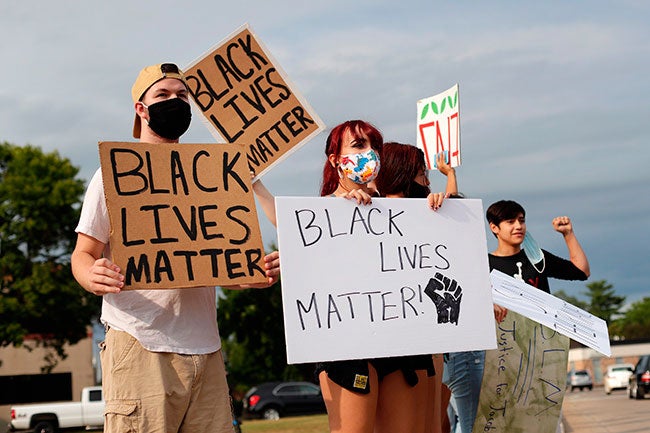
(263, 95)
(182, 176)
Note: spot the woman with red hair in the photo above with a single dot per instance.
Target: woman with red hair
(353, 151)
(366, 395)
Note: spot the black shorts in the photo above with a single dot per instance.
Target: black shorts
(353, 374)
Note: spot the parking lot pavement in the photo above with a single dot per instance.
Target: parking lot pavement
(596, 412)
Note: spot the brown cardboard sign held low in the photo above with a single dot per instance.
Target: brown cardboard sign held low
(524, 378)
(182, 215)
(246, 97)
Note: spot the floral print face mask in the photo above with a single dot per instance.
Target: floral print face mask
(360, 168)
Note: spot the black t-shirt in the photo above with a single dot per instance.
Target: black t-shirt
(519, 266)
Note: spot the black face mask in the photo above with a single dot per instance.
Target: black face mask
(418, 191)
(170, 118)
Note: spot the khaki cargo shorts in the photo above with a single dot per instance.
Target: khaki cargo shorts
(147, 392)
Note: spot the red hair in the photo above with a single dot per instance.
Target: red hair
(330, 179)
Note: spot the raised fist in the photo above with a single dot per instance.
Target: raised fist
(446, 294)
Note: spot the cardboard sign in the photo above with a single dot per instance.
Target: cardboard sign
(438, 126)
(391, 278)
(182, 215)
(247, 98)
(524, 379)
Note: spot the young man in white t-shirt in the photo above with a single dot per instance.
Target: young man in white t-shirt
(161, 360)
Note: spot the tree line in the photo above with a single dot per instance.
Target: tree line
(40, 302)
(42, 305)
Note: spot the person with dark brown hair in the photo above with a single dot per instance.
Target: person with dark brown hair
(519, 256)
(404, 174)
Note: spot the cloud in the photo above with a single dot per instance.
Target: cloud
(553, 96)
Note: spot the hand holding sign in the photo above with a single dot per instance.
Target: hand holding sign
(182, 215)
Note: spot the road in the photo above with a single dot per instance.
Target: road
(596, 412)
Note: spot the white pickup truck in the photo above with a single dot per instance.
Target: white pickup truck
(49, 417)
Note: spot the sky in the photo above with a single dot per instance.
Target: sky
(553, 95)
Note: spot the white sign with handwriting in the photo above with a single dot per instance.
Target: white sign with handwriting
(557, 314)
(438, 127)
(391, 278)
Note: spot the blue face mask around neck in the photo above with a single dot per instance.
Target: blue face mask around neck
(533, 251)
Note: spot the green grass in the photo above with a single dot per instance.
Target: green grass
(298, 424)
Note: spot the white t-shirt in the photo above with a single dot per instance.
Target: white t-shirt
(167, 320)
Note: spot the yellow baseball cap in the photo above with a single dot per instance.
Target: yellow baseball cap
(148, 77)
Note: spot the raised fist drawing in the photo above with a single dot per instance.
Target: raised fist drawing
(446, 295)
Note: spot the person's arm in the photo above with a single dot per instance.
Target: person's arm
(562, 224)
(449, 172)
(94, 273)
(266, 200)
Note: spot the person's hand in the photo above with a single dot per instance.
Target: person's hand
(442, 165)
(499, 313)
(271, 269)
(435, 199)
(358, 195)
(104, 277)
(562, 224)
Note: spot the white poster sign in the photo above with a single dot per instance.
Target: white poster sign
(438, 127)
(391, 278)
(555, 313)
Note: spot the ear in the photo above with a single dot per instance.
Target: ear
(140, 110)
(332, 159)
(494, 228)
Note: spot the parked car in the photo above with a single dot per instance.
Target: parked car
(49, 417)
(639, 382)
(579, 379)
(617, 377)
(271, 400)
